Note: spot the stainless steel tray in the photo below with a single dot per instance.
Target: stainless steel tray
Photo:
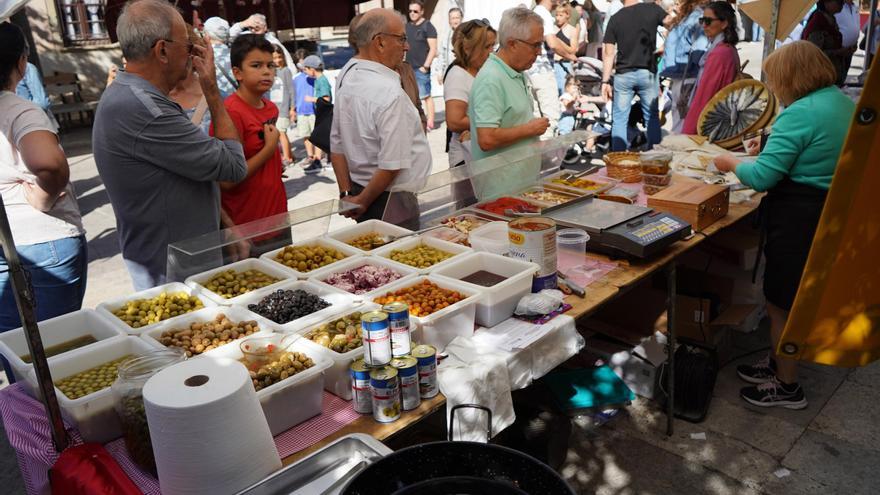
(317, 473)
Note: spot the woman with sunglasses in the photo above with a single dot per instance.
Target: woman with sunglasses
(472, 43)
(719, 65)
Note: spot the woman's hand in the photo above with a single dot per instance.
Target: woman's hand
(38, 198)
(726, 162)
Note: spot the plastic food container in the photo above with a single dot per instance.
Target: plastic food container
(264, 266)
(234, 313)
(655, 162)
(500, 206)
(652, 190)
(321, 275)
(465, 222)
(657, 180)
(412, 242)
(546, 196)
(345, 249)
(54, 331)
(499, 301)
(93, 415)
(440, 328)
(590, 184)
(340, 301)
(491, 238)
(107, 308)
(571, 246)
(337, 380)
(295, 399)
(448, 235)
(347, 234)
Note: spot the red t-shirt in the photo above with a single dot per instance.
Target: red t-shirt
(262, 194)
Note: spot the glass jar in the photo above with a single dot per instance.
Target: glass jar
(129, 402)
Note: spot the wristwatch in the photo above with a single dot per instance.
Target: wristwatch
(343, 194)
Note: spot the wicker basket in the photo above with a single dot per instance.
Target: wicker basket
(623, 166)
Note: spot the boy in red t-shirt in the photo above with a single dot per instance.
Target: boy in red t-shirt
(261, 194)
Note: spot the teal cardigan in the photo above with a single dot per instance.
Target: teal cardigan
(805, 144)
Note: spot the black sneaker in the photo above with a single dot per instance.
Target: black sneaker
(760, 372)
(314, 168)
(774, 394)
(573, 155)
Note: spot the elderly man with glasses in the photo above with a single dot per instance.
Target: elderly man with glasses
(160, 170)
(376, 141)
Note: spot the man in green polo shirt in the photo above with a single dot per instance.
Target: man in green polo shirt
(500, 109)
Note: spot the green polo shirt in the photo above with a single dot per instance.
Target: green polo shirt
(500, 99)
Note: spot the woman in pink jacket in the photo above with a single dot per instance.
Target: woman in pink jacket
(719, 65)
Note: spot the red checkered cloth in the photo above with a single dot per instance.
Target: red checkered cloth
(29, 433)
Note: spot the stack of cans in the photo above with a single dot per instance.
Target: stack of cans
(393, 375)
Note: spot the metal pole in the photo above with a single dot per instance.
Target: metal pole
(770, 38)
(670, 346)
(293, 25)
(870, 43)
(26, 302)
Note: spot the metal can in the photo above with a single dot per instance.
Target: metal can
(376, 339)
(361, 393)
(398, 322)
(426, 358)
(386, 394)
(408, 373)
(534, 239)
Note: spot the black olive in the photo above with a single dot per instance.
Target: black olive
(283, 306)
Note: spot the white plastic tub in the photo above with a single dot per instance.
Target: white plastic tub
(492, 237)
(340, 301)
(337, 380)
(345, 249)
(93, 414)
(440, 328)
(54, 331)
(370, 226)
(272, 269)
(234, 313)
(107, 308)
(499, 301)
(322, 274)
(412, 242)
(294, 400)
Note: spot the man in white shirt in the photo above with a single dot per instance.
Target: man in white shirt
(376, 139)
(447, 56)
(848, 22)
(541, 75)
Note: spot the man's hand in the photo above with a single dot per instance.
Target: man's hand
(271, 134)
(607, 91)
(203, 62)
(38, 198)
(423, 70)
(360, 208)
(465, 136)
(292, 115)
(538, 127)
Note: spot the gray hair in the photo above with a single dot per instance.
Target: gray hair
(260, 18)
(516, 24)
(141, 24)
(369, 26)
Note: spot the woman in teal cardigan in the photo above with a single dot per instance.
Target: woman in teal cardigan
(795, 168)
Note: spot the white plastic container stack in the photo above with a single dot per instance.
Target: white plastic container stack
(234, 313)
(108, 307)
(440, 328)
(337, 380)
(197, 281)
(499, 301)
(370, 226)
(412, 242)
(491, 238)
(296, 399)
(54, 331)
(345, 249)
(93, 414)
(320, 276)
(340, 301)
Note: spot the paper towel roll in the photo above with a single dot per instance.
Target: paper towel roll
(208, 430)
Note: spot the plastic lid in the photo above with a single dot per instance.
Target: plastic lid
(572, 236)
(657, 155)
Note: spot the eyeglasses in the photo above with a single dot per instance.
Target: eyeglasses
(708, 20)
(189, 44)
(535, 46)
(400, 37)
(469, 26)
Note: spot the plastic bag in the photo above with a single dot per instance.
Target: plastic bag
(541, 303)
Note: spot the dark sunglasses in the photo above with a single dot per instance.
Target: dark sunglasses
(411, 11)
(401, 37)
(708, 20)
(261, 134)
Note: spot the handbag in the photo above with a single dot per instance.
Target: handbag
(320, 136)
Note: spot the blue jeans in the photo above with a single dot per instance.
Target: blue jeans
(57, 271)
(423, 80)
(561, 70)
(643, 83)
(566, 124)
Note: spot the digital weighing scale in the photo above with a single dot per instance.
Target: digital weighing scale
(619, 229)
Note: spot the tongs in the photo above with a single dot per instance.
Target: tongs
(567, 177)
(386, 239)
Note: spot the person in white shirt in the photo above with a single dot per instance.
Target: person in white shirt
(848, 22)
(447, 55)
(473, 44)
(541, 75)
(376, 140)
(614, 7)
